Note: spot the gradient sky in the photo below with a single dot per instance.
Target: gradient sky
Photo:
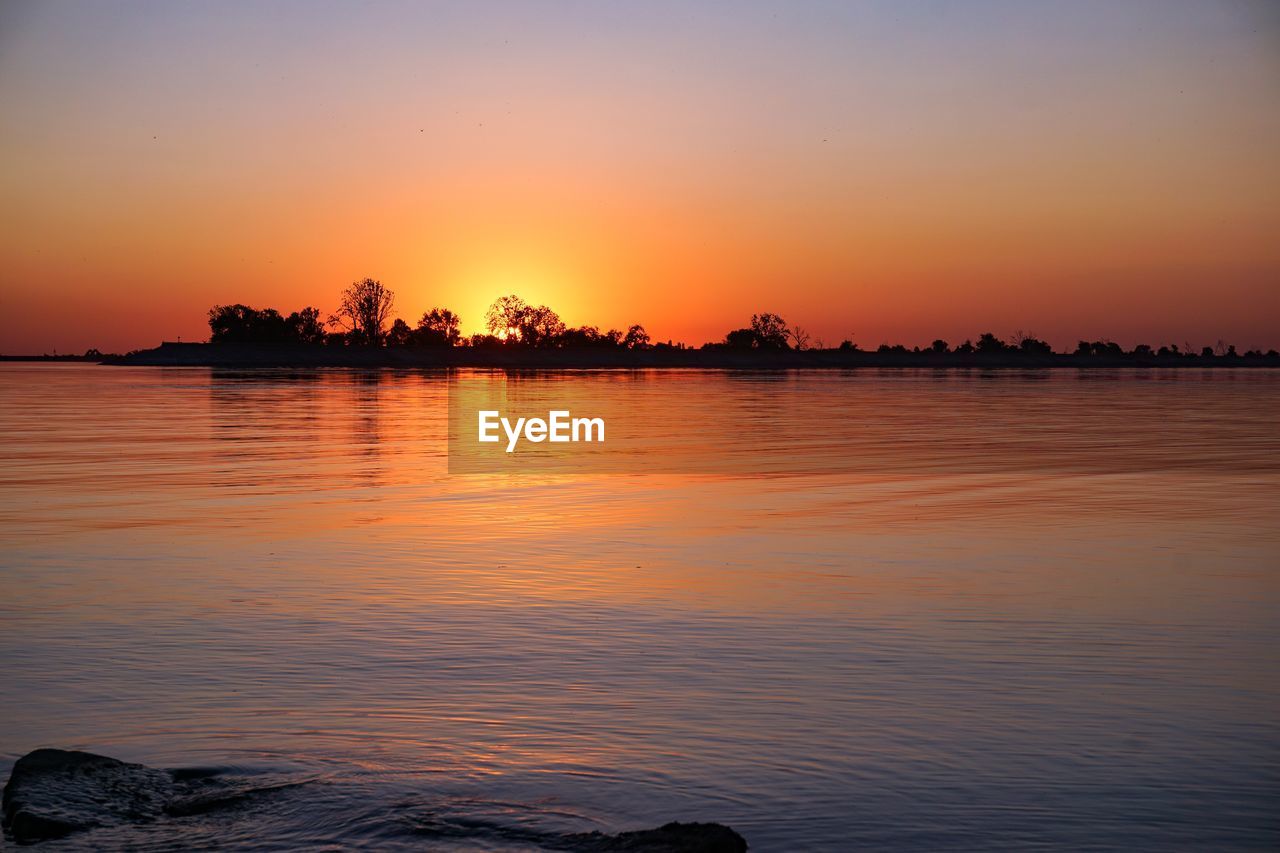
(883, 170)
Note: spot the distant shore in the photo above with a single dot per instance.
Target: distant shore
(170, 354)
(92, 359)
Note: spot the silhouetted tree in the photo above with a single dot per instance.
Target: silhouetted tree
(306, 326)
(767, 331)
(636, 338)
(363, 311)
(438, 327)
(541, 327)
(770, 330)
(504, 316)
(1107, 348)
(987, 342)
(399, 335)
(241, 324)
(482, 341)
(1029, 343)
(245, 325)
(512, 319)
(939, 345)
(590, 336)
(581, 336)
(741, 339)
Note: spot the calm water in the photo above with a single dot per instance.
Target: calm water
(1071, 640)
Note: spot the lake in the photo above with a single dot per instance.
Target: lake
(975, 610)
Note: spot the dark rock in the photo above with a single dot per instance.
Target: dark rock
(209, 794)
(669, 838)
(54, 792)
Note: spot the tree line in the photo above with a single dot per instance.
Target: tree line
(363, 318)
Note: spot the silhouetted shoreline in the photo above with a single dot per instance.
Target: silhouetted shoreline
(522, 336)
(92, 359)
(170, 354)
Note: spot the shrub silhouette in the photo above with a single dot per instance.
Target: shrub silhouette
(242, 324)
(399, 335)
(770, 331)
(306, 325)
(438, 327)
(636, 338)
(988, 342)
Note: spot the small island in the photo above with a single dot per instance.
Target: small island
(362, 334)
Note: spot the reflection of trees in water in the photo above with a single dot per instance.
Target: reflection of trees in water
(245, 402)
(365, 393)
(306, 424)
(290, 427)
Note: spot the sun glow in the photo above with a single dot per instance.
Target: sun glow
(475, 289)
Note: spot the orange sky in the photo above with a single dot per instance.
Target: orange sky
(883, 171)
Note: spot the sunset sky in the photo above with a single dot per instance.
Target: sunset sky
(884, 171)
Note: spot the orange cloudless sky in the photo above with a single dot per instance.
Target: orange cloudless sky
(881, 171)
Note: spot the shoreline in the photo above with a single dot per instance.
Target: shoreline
(170, 354)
